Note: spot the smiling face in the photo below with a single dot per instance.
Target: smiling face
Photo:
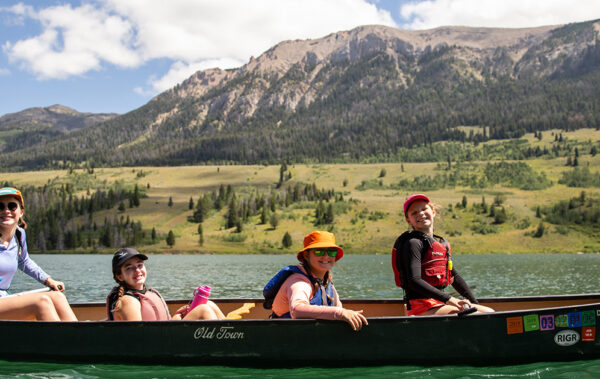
(420, 216)
(133, 273)
(319, 265)
(10, 218)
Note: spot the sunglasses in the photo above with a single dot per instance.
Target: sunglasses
(11, 205)
(321, 252)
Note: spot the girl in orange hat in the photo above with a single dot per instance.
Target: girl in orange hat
(306, 290)
(48, 306)
(423, 268)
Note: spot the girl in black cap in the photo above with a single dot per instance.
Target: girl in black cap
(132, 301)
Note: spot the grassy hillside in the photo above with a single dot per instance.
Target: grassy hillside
(369, 219)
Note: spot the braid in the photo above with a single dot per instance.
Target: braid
(120, 294)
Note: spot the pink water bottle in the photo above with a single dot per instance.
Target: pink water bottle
(201, 295)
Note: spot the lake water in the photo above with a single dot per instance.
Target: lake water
(89, 278)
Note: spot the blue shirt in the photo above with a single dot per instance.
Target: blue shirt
(10, 261)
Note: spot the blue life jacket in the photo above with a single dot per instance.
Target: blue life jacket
(324, 296)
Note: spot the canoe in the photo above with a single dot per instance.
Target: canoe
(525, 329)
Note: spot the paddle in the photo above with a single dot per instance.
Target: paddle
(45, 289)
(466, 312)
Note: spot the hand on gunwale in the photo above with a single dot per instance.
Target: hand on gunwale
(55, 284)
(355, 318)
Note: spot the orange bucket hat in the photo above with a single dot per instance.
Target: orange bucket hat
(318, 239)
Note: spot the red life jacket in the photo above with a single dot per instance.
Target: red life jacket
(435, 260)
(153, 306)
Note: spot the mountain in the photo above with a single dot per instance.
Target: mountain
(35, 126)
(370, 92)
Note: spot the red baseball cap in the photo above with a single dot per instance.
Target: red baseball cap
(412, 198)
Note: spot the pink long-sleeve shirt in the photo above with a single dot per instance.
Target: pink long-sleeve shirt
(294, 297)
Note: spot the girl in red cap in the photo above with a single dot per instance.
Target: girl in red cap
(423, 268)
(306, 290)
(47, 306)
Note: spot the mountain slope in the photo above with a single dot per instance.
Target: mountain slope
(34, 126)
(367, 92)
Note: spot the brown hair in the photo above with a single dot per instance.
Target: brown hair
(328, 276)
(120, 294)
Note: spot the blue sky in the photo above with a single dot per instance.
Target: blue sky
(115, 55)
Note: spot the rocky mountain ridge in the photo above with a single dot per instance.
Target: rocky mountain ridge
(337, 93)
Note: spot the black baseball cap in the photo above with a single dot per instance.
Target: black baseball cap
(123, 256)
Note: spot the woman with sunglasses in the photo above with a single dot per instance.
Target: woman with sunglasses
(48, 306)
(306, 290)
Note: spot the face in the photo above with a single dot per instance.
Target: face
(319, 265)
(11, 211)
(133, 273)
(420, 215)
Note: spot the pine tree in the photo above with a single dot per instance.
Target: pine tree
(170, 201)
(170, 239)
(191, 204)
(286, 242)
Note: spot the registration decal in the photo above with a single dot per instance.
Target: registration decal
(588, 333)
(546, 322)
(588, 318)
(531, 323)
(574, 319)
(562, 321)
(514, 325)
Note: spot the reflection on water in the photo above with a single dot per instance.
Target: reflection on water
(89, 277)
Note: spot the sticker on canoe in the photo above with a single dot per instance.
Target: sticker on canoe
(514, 325)
(574, 319)
(588, 333)
(562, 321)
(546, 322)
(567, 337)
(589, 319)
(531, 323)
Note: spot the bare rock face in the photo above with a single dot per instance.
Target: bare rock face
(296, 73)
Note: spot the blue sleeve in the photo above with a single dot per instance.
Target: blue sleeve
(27, 265)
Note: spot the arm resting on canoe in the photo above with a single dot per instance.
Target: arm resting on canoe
(130, 310)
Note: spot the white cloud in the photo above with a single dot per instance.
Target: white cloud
(74, 41)
(497, 13)
(4, 71)
(193, 33)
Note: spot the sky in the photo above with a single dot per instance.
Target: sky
(109, 56)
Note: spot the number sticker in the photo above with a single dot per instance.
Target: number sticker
(547, 322)
(574, 319)
(562, 321)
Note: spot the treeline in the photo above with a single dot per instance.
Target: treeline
(510, 174)
(583, 211)
(57, 219)
(242, 208)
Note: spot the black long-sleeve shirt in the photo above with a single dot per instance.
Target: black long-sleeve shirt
(411, 255)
